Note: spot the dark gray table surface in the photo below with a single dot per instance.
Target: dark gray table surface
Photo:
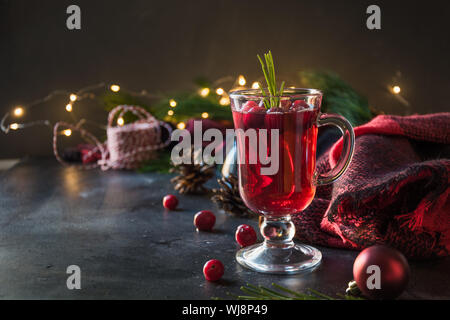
(113, 226)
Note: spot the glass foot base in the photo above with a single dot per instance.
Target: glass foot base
(298, 258)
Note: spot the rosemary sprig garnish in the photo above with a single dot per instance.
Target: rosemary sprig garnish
(271, 100)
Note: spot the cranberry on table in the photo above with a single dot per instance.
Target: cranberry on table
(213, 270)
(204, 220)
(170, 202)
(245, 235)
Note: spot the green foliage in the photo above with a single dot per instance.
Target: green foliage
(192, 106)
(112, 100)
(202, 82)
(189, 105)
(272, 100)
(339, 96)
(281, 293)
(160, 164)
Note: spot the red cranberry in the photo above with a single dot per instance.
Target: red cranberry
(245, 235)
(204, 220)
(213, 270)
(298, 105)
(253, 115)
(248, 106)
(170, 202)
(285, 104)
(258, 109)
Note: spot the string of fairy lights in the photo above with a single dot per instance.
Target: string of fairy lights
(88, 93)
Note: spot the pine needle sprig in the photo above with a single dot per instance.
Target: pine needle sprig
(262, 293)
(272, 99)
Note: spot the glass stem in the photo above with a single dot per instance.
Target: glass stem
(278, 232)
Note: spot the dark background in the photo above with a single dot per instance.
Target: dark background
(164, 45)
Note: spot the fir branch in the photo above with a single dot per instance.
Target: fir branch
(262, 293)
(300, 296)
(339, 97)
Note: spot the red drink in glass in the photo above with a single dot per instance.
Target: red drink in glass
(292, 188)
(291, 185)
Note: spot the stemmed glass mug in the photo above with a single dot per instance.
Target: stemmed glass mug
(287, 184)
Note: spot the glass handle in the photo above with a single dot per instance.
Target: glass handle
(348, 147)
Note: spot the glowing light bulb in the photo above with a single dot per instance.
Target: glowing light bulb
(172, 103)
(242, 80)
(14, 126)
(73, 97)
(115, 88)
(170, 113)
(181, 125)
(69, 107)
(18, 112)
(396, 89)
(120, 121)
(205, 115)
(224, 101)
(255, 85)
(204, 92)
(220, 91)
(67, 132)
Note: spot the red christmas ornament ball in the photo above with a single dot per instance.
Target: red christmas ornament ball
(213, 270)
(170, 202)
(381, 272)
(204, 220)
(245, 235)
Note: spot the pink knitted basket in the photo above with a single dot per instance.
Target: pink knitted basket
(127, 146)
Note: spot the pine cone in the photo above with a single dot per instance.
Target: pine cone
(192, 177)
(228, 198)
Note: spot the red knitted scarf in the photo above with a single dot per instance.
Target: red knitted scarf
(395, 192)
